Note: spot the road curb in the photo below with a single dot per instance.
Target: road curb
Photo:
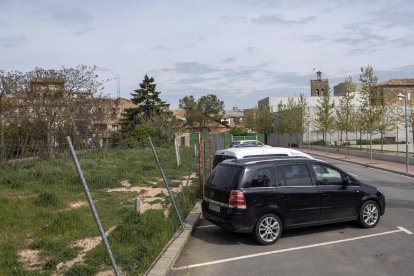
(364, 165)
(172, 250)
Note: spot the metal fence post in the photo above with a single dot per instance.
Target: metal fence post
(177, 152)
(204, 162)
(166, 183)
(92, 205)
(200, 171)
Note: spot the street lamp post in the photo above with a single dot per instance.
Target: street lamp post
(402, 96)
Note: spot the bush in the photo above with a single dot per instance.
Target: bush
(46, 199)
(318, 143)
(238, 131)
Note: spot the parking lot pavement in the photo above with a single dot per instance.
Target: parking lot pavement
(338, 249)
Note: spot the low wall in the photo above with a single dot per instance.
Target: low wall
(377, 156)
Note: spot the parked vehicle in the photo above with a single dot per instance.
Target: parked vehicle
(238, 153)
(265, 196)
(246, 143)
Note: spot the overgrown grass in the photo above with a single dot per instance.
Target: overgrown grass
(138, 240)
(35, 213)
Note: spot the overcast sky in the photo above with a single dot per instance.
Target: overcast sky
(241, 50)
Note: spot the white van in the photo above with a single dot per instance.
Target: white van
(238, 153)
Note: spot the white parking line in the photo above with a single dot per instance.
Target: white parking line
(400, 229)
(405, 230)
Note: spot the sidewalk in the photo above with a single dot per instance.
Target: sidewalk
(378, 164)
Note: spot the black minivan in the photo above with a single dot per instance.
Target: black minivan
(264, 196)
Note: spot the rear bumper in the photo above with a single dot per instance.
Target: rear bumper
(235, 220)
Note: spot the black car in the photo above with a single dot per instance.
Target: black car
(263, 197)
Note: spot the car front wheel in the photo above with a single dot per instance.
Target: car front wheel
(369, 215)
(268, 229)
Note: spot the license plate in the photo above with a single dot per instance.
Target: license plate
(214, 207)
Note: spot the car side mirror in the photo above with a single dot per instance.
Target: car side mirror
(347, 182)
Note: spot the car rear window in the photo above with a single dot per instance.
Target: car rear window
(225, 177)
(221, 158)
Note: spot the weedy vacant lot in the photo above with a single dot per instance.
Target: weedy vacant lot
(46, 226)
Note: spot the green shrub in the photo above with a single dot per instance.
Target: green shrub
(238, 131)
(45, 199)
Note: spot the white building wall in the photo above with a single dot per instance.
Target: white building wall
(313, 135)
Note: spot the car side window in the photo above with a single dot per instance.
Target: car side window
(326, 175)
(263, 177)
(296, 175)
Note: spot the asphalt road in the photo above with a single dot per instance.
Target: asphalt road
(339, 249)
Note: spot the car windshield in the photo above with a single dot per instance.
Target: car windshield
(246, 144)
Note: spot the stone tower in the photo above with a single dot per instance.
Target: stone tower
(319, 85)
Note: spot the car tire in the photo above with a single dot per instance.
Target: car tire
(369, 214)
(268, 229)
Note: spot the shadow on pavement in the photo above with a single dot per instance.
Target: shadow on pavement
(220, 236)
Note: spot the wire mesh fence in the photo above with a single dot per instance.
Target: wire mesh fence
(45, 213)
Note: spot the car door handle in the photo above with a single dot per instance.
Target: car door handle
(326, 195)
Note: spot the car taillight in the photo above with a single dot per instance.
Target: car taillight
(237, 200)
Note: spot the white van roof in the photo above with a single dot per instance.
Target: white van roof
(239, 153)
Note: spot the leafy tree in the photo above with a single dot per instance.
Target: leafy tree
(282, 125)
(345, 113)
(264, 120)
(148, 102)
(202, 111)
(292, 117)
(238, 131)
(249, 117)
(189, 104)
(303, 115)
(372, 108)
(389, 118)
(324, 117)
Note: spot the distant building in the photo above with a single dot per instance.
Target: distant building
(232, 117)
(390, 88)
(339, 89)
(319, 85)
(114, 109)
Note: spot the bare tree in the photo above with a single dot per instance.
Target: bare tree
(10, 87)
(62, 101)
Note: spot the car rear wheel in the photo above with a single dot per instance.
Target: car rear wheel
(369, 214)
(268, 229)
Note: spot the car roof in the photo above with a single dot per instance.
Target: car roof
(239, 153)
(266, 159)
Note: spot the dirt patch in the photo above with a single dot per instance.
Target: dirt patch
(86, 245)
(30, 259)
(105, 273)
(77, 204)
(151, 197)
(125, 183)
